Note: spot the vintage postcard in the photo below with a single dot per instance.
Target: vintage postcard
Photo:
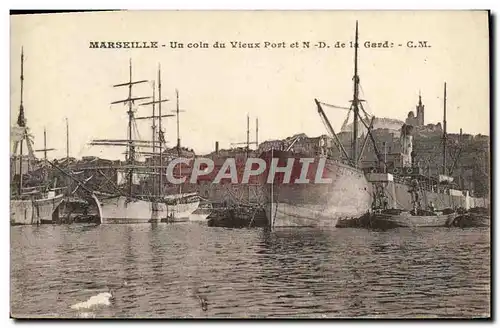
(250, 164)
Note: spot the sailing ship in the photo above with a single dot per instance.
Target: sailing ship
(204, 209)
(128, 206)
(347, 195)
(29, 204)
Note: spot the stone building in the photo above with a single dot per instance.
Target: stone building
(417, 120)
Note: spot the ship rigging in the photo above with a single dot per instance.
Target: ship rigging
(355, 107)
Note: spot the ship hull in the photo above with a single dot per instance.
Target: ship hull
(120, 210)
(347, 195)
(304, 215)
(400, 198)
(385, 221)
(28, 212)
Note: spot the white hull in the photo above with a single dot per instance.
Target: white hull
(119, 210)
(308, 215)
(27, 212)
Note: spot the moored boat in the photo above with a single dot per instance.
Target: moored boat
(35, 204)
(34, 210)
(238, 216)
(347, 194)
(126, 206)
(121, 209)
(473, 218)
(405, 171)
(293, 204)
(395, 219)
(385, 218)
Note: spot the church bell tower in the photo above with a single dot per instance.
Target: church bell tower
(420, 111)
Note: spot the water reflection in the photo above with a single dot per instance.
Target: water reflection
(190, 270)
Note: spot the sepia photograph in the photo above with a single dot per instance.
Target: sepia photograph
(250, 164)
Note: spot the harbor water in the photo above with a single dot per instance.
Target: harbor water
(190, 270)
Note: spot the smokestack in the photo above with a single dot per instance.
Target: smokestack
(217, 147)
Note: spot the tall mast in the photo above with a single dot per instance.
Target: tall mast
(161, 136)
(177, 110)
(20, 119)
(45, 172)
(45, 149)
(153, 128)
(130, 118)
(444, 131)
(45, 145)
(178, 131)
(20, 187)
(22, 123)
(355, 102)
(67, 141)
(248, 142)
(257, 132)
(156, 143)
(248, 152)
(68, 181)
(248, 134)
(129, 141)
(153, 125)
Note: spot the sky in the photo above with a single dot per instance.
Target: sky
(65, 78)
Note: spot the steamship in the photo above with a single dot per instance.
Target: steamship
(347, 195)
(355, 187)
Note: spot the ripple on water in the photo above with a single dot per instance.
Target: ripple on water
(164, 271)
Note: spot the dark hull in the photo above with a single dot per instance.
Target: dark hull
(312, 204)
(387, 221)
